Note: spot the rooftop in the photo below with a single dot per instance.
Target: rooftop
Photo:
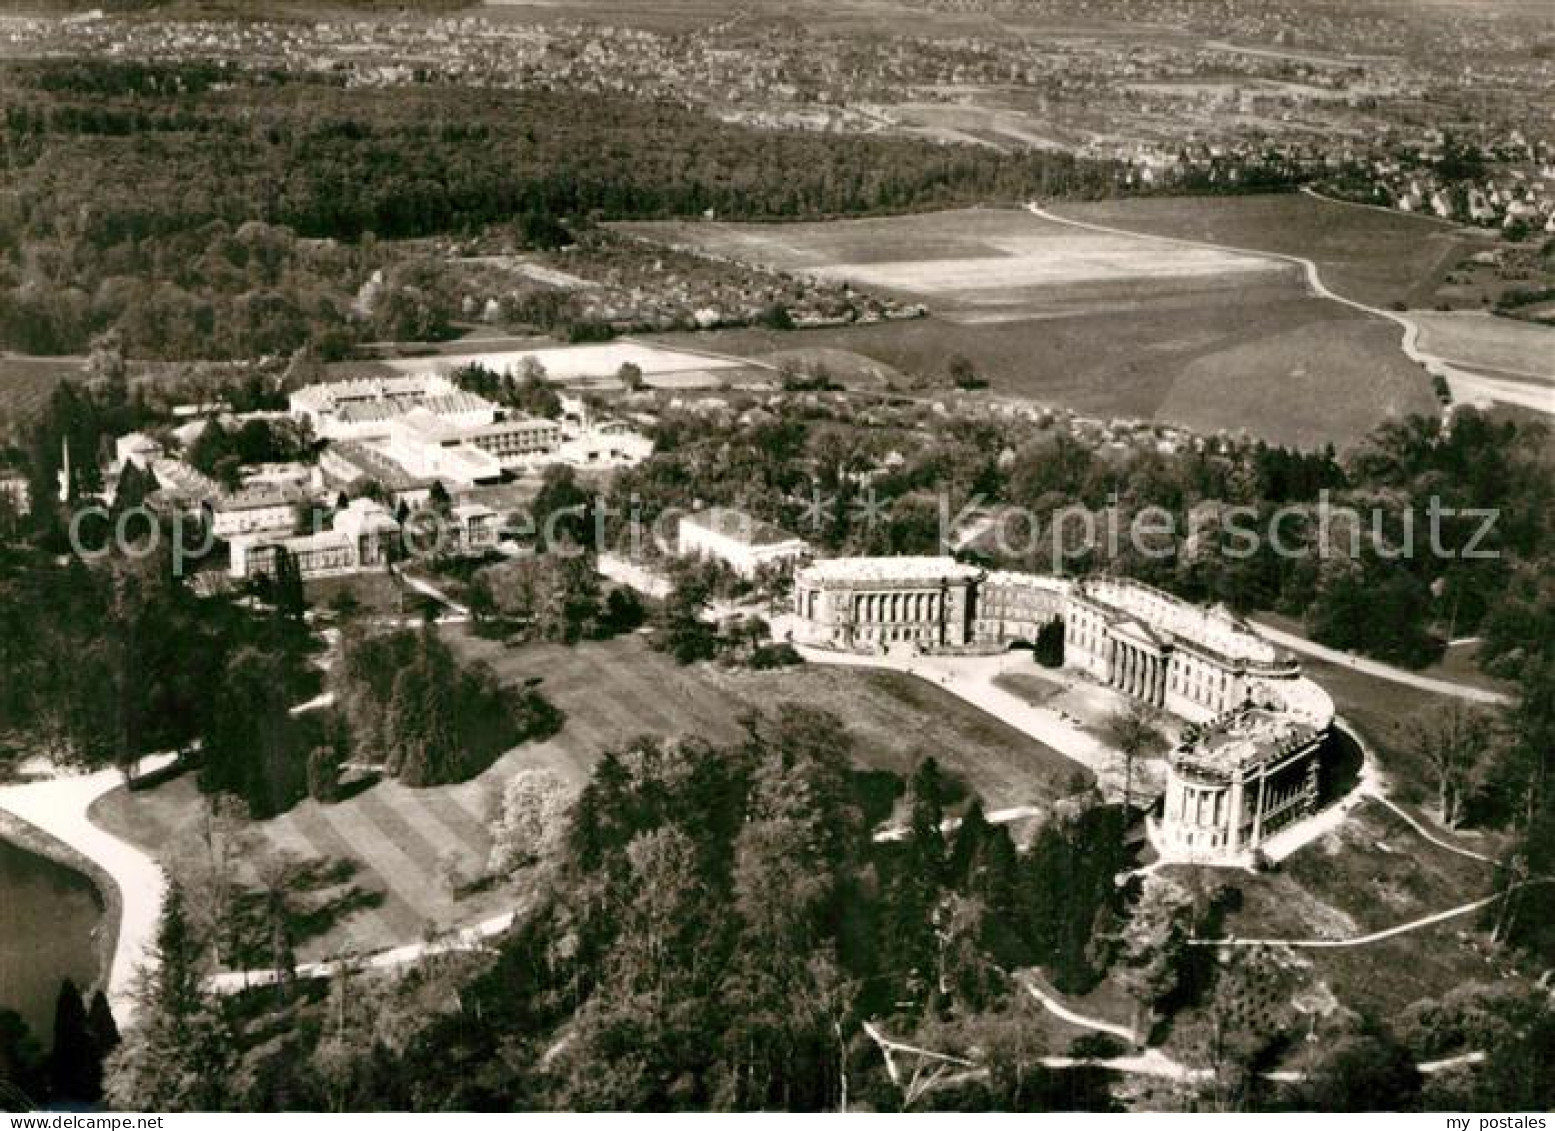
(1215, 629)
(256, 500)
(1244, 738)
(922, 570)
(371, 464)
(740, 526)
(429, 427)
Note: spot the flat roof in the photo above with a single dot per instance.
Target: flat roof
(741, 527)
(1247, 737)
(256, 500)
(911, 569)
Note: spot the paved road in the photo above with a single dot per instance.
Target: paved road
(1466, 386)
(58, 807)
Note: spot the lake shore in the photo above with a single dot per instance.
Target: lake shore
(52, 818)
(105, 935)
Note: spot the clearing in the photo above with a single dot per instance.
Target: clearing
(1497, 347)
(663, 367)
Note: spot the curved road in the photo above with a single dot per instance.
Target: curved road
(59, 807)
(1465, 385)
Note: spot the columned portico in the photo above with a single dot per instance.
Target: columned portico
(1137, 668)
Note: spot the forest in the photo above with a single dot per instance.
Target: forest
(241, 217)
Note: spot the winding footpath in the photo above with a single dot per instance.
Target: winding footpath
(468, 940)
(59, 808)
(1466, 386)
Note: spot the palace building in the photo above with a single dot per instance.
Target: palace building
(1248, 763)
(869, 604)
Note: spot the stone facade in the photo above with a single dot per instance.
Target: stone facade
(1193, 662)
(870, 604)
(1237, 781)
(1249, 761)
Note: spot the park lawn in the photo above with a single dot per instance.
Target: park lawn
(1459, 662)
(616, 690)
(1386, 714)
(1371, 873)
(1029, 687)
(380, 862)
(378, 594)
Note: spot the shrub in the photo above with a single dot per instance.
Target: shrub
(779, 655)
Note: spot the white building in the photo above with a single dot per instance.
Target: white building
(364, 409)
(611, 444)
(137, 448)
(362, 538)
(520, 441)
(249, 512)
(743, 543)
(346, 465)
(430, 447)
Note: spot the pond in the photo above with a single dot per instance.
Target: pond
(47, 916)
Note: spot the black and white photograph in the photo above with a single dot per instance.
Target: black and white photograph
(777, 556)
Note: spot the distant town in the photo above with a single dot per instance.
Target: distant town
(883, 556)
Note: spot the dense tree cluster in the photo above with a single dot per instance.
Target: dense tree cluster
(713, 923)
(410, 706)
(221, 451)
(103, 663)
(1336, 557)
(712, 927)
(528, 391)
(71, 1071)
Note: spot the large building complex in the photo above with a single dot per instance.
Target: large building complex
(430, 430)
(1248, 762)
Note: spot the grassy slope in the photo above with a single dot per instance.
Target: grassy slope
(397, 841)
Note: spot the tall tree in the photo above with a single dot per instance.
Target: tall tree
(75, 1063)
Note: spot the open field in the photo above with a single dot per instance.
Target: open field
(617, 690)
(380, 859)
(1105, 325)
(1371, 256)
(843, 366)
(972, 264)
(1497, 347)
(1253, 345)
